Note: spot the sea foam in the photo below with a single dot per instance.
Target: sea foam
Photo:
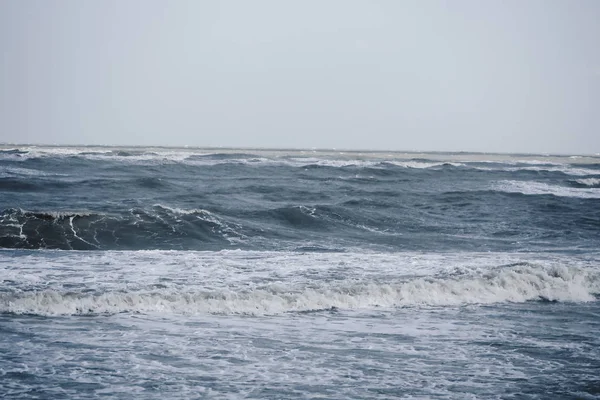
(509, 284)
(540, 188)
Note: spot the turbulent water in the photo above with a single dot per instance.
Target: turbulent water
(200, 273)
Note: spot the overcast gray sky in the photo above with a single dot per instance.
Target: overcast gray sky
(499, 76)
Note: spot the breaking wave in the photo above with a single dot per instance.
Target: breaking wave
(213, 199)
(589, 182)
(303, 158)
(540, 188)
(511, 284)
(157, 227)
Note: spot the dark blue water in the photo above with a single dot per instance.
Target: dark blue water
(141, 199)
(191, 273)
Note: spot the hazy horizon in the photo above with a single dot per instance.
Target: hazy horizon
(491, 77)
(581, 157)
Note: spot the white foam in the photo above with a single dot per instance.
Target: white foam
(16, 171)
(589, 181)
(11, 216)
(198, 157)
(65, 214)
(424, 164)
(565, 169)
(192, 160)
(339, 163)
(540, 188)
(242, 282)
(182, 211)
(142, 156)
(379, 164)
(229, 231)
(562, 168)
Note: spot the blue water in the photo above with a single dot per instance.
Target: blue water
(203, 273)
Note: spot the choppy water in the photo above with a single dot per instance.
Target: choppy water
(192, 273)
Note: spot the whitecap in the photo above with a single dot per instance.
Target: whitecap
(540, 188)
(218, 287)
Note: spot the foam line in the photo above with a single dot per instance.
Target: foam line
(510, 284)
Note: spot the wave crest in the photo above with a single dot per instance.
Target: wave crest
(589, 182)
(540, 188)
(510, 284)
(159, 227)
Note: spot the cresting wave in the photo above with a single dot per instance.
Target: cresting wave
(204, 159)
(590, 182)
(510, 284)
(156, 227)
(540, 188)
(192, 199)
(581, 166)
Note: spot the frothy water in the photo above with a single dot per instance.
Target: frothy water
(539, 188)
(152, 283)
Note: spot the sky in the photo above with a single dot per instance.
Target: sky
(489, 76)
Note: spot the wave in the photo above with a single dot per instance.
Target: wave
(540, 188)
(298, 216)
(589, 182)
(157, 227)
(303, 159)
(89, 153)
(516, 284)
(322, 218)
(374, 219)
(564, 169)
(6, 172)
(50, 183)
(313, 162)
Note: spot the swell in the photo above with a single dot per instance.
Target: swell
(478, 220)
(292, 203)
(515, 284)
(45, 183)
(158, 227)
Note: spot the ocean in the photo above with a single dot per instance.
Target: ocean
(188, 273)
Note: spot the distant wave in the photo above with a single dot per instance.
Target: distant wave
(211, 158)
(516, 284)
(300, 159)
(24, 172)
(540, 188)
(590, 182)
(564, 169)
(90, 153)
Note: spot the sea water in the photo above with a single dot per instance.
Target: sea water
(220, 273)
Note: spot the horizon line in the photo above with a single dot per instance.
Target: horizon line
(310, 149)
